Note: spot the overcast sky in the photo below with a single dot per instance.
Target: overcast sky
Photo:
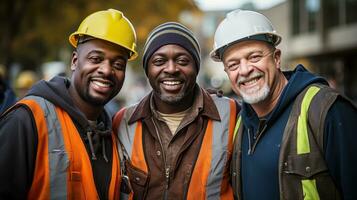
(232, 4)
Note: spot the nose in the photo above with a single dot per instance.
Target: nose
(171, 67)
(105, 68)
(245, 68)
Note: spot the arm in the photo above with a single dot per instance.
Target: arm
(18, 144)
(340, 146)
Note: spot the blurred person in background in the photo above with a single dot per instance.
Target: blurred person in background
(7, 95)
(24, 81)
(177, 140)
(57, 143)
(295, 136)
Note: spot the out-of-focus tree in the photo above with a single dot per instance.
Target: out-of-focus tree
(36, 31)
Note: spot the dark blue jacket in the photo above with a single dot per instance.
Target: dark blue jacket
(260, 154)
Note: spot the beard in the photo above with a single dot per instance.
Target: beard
(169, 99)
(255, 94)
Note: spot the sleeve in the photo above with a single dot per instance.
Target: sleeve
(18, 144)
(340, 146)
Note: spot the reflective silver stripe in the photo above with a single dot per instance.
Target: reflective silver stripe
(219, 149)
(57, 155)
(126, 134)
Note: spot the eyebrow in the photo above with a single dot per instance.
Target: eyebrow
(101, 53)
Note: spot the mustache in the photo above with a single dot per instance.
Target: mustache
(253, 75)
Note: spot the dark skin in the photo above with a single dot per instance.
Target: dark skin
(98, 73)
(172, 75)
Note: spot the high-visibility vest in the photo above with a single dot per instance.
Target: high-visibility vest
(210, 176)
(63, 169)
(303, 173)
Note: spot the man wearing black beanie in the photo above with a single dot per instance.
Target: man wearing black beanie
(177, 140)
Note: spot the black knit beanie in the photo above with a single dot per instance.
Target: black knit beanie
(171, 33)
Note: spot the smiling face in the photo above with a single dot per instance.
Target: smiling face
(172, 75)
(253, 68)
(98, 72)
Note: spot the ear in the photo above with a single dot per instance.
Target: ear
(277, 58)
(74, 60)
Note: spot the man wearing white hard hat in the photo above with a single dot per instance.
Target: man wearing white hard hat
(295, 136)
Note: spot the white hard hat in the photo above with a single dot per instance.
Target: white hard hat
(240, 25)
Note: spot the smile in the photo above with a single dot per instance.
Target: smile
(171, 82)
(250, 81)
(171, 86)
(101, 82)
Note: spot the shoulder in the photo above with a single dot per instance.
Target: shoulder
(18, 122)
(18, 113)
(342, 109)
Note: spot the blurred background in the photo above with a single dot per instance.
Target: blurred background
(321, 34)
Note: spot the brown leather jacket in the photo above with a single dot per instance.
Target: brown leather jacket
(170, 159)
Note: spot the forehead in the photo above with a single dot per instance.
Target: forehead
(248, 46)
(171, 48)
(103, 46)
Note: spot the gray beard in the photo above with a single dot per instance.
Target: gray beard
(259, 96)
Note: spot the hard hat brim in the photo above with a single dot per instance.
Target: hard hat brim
(215, 54)
(73, 40)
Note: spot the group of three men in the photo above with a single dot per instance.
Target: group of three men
(293, 138)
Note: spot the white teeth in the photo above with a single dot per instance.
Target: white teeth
(251, 82)
(171, 82)
(101, 84)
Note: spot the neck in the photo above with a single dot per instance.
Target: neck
(264, 107)
(90, 111)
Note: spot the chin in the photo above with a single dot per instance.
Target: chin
(256, 97)
(172, 99)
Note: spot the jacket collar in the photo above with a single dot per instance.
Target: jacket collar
(203, 103)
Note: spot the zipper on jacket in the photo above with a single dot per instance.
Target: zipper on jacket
(252, 147)
(167, 168)
(167, 175)
(249, 142)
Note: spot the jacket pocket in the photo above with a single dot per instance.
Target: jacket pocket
(138, 180)
(309, 166)
(306, 165)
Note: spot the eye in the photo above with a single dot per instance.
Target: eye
(95, 59)
(183, 61)
(158, 61)
(254, 58)
(232, 66)
(119, 65)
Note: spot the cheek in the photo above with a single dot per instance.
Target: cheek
(120, 78)
(233, 77)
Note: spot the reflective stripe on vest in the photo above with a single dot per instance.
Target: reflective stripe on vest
(303, 145)
(210, 179)
(59, 174)
(237, 127)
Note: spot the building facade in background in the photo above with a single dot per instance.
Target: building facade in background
(323, 36)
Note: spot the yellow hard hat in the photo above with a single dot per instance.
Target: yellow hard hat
(25, 79)
(110, 25)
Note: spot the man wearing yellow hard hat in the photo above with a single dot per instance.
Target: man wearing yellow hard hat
(57, 141)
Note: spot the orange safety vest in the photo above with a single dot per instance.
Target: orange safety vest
(63, 169)
(210, 177)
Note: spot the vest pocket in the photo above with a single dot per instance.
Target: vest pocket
(305, 165)
(76, 186)
(138, 180)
